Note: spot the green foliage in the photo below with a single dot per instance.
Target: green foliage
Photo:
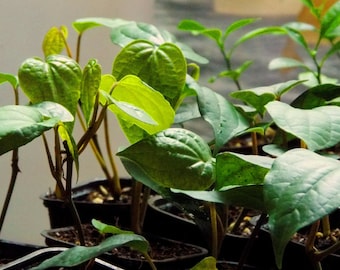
(301, 188)
(21, 124)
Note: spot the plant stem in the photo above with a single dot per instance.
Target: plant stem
(15, 171)
(135, 206)
(69, 199)
(149, 260)
(214, 233)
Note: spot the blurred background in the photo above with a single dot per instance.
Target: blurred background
(23, 25)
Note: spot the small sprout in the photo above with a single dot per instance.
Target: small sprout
(103, 190)
(319, 235)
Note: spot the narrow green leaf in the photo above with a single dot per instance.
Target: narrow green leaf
(297, 37)
(236, 25)
(89, 88)
(105, 228)
(319, 127)
(197, 28)
(237, 169)
(301, 188)
(21, 124)
(276, 30)
(54, 40)
(224, 118)
(285, 62)
(57, 79)
(330, 21)
(80, 254)
(12, 79)
(174, 158)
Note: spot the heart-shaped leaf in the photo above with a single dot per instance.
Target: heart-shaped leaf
(166, 61)
(174, 158)
(301, 188)
(54, 40)
(319, 127)
(83, 24)
(57, 79)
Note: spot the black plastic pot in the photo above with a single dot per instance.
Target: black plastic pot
(295, 256)
(40, 255)
(163, 219)
(178, 262)
(108, 212)
(10, 250)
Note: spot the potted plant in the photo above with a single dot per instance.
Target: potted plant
(194, 168)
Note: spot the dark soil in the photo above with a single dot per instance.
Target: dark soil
(160, 249)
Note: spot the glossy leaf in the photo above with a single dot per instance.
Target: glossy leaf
(21, 124)
(297, 36)
(136, 104)
(301, 188)
(54, 40)
(224, 118)
(236, 169)
(174, 158)
(54, 110)
(258, 97)
(319, 127)
(166, 61)
(89, 88)
(80, 254)
(57, 79)
(133, 31)
(12, 79)
(83, 24)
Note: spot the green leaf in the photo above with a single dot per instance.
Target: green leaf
(285, 62)
(80, 254)
(12, 79)
(89, 88)
(276, 30)
(54, 40)
(21, 124)
(221, 115)
(317, 127)
(83, 24)
(54, 110)
(57, 79)
(258, 97)
(249, 196)
(132, 91)
(330, 21)
(319, 95)
(174, 158)
(197, 28)
(206, 263)
(297, 37)
(236, 25)
(311, 81)
(237, 169)
(162, 67)
(105, 228)
(301, 188)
